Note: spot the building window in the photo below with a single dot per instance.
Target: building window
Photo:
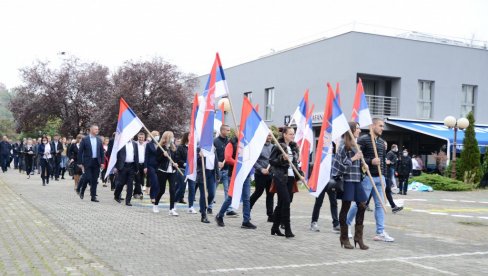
(269, 94)
(248, 95)
(424, 103)
(467, 99)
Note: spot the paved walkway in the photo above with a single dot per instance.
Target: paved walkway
(49, 230)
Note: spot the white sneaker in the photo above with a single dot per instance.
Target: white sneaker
(349, 232)
(191, 210)
(155, 209)
(314, 227)
(173, 212)
(144, 188)
(383, 237)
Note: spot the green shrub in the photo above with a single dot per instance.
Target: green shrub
(441, 183)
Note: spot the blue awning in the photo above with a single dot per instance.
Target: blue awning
(439, 130)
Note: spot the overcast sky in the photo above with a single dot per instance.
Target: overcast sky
(188, 33)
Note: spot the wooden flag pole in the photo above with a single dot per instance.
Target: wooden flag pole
(164, 151)
(204, 180)
(289, 161)
(367, 171)
(373, 141)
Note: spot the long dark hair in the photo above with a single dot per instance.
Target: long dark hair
(184, 138)
(348, 143)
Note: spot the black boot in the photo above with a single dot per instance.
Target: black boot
(288, 233)
(275, 229)
(43, 182)
(63, 170)
(344, 239)
(204, 219)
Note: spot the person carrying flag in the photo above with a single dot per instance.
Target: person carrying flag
(230, 159)
(125, 170)
(366, 145)
(284, 179)
(347, 165)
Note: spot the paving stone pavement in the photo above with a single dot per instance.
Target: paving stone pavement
(50, 230)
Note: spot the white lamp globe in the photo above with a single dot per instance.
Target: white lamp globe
(462, 123)
(450, 121)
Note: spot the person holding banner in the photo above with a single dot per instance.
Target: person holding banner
(166, 171)
(230, 159)
(284, 180)
(151, 166)
(347, 165)
(367, 148)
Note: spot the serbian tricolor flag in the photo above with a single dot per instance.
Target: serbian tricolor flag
(306, 147)
(128, 126)
(360, 109)
(334, 125)
(191, 161)
(252, 136)
(219, 119)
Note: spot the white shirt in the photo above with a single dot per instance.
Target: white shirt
(129, 150)
(415, 164)
(47, 151)
(290, 156)
(142, 151)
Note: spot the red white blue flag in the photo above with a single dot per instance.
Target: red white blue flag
(360, 109)
(191, 162)
(306, 147)
(334, 125)
(252, 136)
(128, 126)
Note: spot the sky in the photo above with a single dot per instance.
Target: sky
(188, 33)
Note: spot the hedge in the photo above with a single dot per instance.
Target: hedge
(441, 183)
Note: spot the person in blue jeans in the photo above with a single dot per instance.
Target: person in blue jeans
(366, 144)
(220, 143)
(230, 159)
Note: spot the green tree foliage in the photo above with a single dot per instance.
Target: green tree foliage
(470, 155)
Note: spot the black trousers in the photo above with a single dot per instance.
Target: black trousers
(388, 192)
(45, 169)
(125, 177)
(403, 185)
(56, 165)
(91, 174)
(164, 177)
(139, 180)
(333, 206)
(284, 189)
(263, 182)
(28, 163)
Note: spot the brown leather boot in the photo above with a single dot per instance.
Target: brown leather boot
(344, 239)
(358, 237)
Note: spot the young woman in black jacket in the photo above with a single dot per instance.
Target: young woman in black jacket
(167, 170)
(180, 159)
(284, 179)
(28, 151)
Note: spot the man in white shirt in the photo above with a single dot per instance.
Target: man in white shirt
(140, 176)
(125, 170)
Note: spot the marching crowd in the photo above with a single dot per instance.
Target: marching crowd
(150, 163)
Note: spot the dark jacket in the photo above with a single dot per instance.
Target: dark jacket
(85, 151)
(215, 170)
(122, 154)
(368, 152)
(73, 152)
(404, 166)
(40, 150)
(219, 144)
(263, 159)
(28, 151)
(181, 156)
(151, 156)
(393, 157)
(164, 161)
(279, 166)
(56, 151)
(5, 148)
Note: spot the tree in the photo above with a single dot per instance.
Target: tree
(470, 155)
(71, 94)
(158, 93)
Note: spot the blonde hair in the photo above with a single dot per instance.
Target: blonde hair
(166, 138)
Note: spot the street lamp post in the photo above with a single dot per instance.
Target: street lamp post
(461, 124)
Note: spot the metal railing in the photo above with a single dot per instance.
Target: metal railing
(382, 105)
